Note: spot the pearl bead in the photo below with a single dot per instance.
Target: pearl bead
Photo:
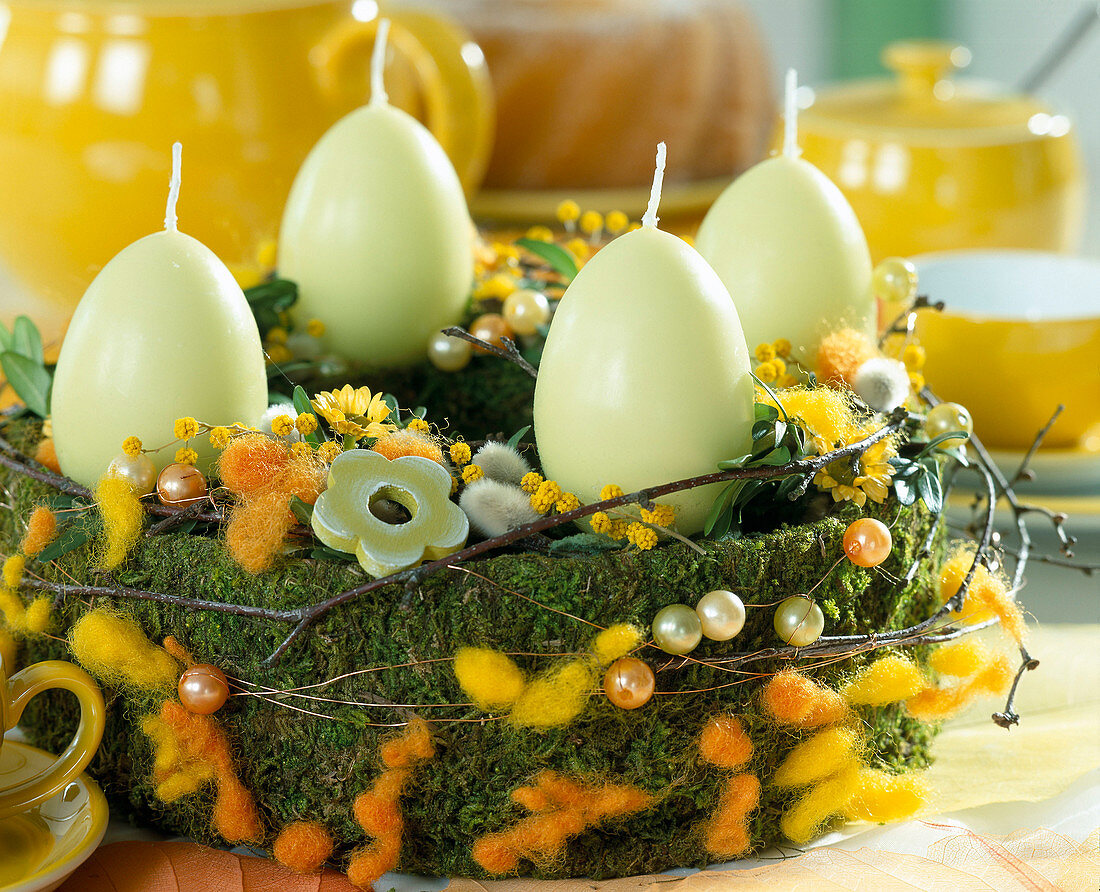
(867, 542)
(677, 629)
(629, 683)
(180, 484)
(490, 328)
(945, 418)
(799, 621)
(526, 310)
(722, 614)
(138, 470)
(894, 280)
(203, 689)
(449, 354)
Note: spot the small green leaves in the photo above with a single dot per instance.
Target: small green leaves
(560, 260)
(918, 478)
(24, 366)
(514, 440)
(268, 299)
(302, 510)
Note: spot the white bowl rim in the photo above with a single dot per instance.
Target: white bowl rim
(960, 257)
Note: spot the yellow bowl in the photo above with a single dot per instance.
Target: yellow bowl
(1020, 335)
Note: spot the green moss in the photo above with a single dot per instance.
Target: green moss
(299, 766)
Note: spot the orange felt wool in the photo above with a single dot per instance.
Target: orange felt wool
(841, 354)
(201, 741)
(565, 808)
(178, 651)
(41, 531)
(793, 699)
(724, 743)
(727, 831)
(257, 529)
(378, 811)
(46, 455)
(987, 596)
(303, 846)
(940, 703)
(251, 462)
(400, 443)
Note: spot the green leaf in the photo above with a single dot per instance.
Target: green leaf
(722, 524)
(776, 457)
(730, 463)
(761, 429)
(720, 505)
(5, 338)
(584, 543)
(560, 260)
(26, 340)
(302, 510)
(940, 438)
(772, 394)
(513, 441)
(302, 405)
(324, 553)
(71, 537)
(30, 381)
(931, 493)
(268, 299)
(765, 412)
(907, 493)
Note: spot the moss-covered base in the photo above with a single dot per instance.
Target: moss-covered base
(301, 767)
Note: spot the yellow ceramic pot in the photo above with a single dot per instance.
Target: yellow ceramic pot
(94, 92)
(933, 164)
(1020, 335)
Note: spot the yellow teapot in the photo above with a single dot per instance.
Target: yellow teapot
(930, 163)
(94, 92)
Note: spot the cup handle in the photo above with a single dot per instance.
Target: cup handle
(452, 77)
(25, 685)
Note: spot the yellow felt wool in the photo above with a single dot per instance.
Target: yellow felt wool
(884, 797)
(8, 650)
(37, 617)
(122, 516)
(822, 755)
(113, 647)
(491, 679)
(13, 571)
(616, 641)
(960, 658)
(820, 802)
(887, 680)
(11, 605)
(988, 595)
(555, 698)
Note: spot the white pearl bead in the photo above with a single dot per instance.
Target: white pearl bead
(138, 470)
(722, 614)
(799, 621)
(677, 630)
(449, 354)
(526, 310)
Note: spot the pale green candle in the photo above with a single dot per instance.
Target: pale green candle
(163, 331)
(789, 248)
(377, 234)
(645, 376)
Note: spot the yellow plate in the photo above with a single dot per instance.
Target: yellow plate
(40, 848)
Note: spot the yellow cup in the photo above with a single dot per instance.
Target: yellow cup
(15, 693)
(94, 92)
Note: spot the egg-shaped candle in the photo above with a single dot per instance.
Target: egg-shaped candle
(789, 248)
(377, 235)
(645, 375)
(163, 331)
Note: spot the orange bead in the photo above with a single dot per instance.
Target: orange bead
(180, 484)
(490, 328)
(867, 542)
(203, 689)
(629, 683)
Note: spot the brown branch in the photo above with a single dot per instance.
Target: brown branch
(907, 316)
(509, 351)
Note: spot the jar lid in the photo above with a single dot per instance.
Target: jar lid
(922, 98)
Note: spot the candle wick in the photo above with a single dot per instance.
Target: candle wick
(790, 116)
(650, 219)
(173, 187)
(378, 64)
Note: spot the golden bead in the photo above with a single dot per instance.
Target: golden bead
(867, 542)
(203, 689)
(490, 328)
(526, 310)
(449, 354)
(894, 280)
(629, 683)
(799, 621)
(180, 484)
(137, 470)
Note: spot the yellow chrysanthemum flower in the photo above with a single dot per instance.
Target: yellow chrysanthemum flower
(460, 453)
(354, 412)
(782, 348)
(568, 211)
(530, 482)
(642, 536)
(767, 372)
(661, 515)
(420, 426)
(329, 450)
(306, 423)
(546, 496)
(579, 248)
(610, 491)
(219, 437)
(185, 428)
(616, 222)
(872, 481)
(300, 449)
(496, 287)
(600, 523)
(568, 502)
(315, 328)
(471, 474)
(540, 234)
(764, 352)
(282, 425)
(277, 335)
(186, 456)
(131, 446)
(278, 353)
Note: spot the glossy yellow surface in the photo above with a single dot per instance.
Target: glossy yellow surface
(40, 848)
(92, 94)
(929, 163)
(24, 791)
(343, 518)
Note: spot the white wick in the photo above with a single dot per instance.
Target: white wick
(173, 187)
(378, 64)
(790, 116)
(650, 219)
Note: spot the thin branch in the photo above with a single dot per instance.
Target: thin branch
(509, 351)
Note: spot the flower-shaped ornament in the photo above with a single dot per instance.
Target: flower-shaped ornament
(344, 520)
